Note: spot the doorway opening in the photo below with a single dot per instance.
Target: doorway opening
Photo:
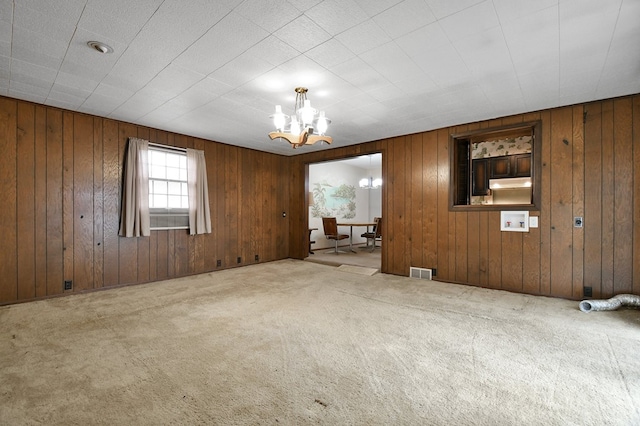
(349, 189)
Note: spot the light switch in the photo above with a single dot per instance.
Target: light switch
(533, 221)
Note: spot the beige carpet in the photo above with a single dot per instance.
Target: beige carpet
(295, 343)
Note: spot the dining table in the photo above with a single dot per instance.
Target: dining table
(351, 225)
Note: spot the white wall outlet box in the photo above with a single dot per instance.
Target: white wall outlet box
(514, 221)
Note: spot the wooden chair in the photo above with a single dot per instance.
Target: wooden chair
(330, 225)
(375, 234)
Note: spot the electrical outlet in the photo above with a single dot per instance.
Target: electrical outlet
(239, 259)
(587, 291)
(433, 272)
(257, 258)
(218, 263)
(68, 285)
(578, 222)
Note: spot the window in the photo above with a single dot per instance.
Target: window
(496, 169)
(163, 188)
(168, 189)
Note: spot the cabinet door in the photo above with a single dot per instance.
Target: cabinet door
(480, 178)
(522, 163)
(500, 167)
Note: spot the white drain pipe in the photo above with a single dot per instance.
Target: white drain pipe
(610, 304)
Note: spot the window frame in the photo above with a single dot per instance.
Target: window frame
(182, 213)
(461, 141)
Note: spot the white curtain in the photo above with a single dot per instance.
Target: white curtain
(134, 216)
(199, 215)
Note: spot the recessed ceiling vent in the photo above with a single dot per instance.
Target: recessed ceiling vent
(100, 47)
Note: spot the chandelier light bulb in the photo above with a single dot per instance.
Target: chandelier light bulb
(307, 113)
(323, 124)
(279, 118)
(295, 126)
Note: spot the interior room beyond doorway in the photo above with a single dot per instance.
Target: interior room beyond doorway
(350, 190)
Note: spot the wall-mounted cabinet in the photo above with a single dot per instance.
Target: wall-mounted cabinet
(505, 166)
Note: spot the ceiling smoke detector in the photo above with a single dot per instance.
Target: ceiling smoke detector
(100, 47)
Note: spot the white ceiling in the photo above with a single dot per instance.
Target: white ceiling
(379, 68)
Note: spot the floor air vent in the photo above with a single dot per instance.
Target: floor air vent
(420, 273)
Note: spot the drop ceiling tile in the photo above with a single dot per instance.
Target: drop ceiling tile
(71, 106)
(135, 12)
(533, 40)
(74, 81)
(5, 62)
(431, 50)
(107, 27)
(304, 5)
(27, 79)
(417, 85)
(470, 21)
(68, 10)
(420, 42)
(385, 59)
(509, 10)
(6, 30)
(187, 23)
(242, 69)
(359, 73)
(36, 72)
(627, 26)
(5, 48)
(270, 15)
(70, 96)
(443, 8)
(363, 37)
(404, 18)
(485, 53)
(25, 94)
(386, 93)
(173, 80)
(302, 71)
(373, 8)
(273, 51)
(39, 22)
(336, 16)
(330, 53)
(39, 89)
(133, 72)
(137, 106)
(116, 92)
(100, 105)
(229, 38)
(168, 111)
(579, 82)
(27, 43)
(302, 34)
(275, 81)
(6, 11)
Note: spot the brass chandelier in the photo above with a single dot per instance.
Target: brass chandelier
(306, 125)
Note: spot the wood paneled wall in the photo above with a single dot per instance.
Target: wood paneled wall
(590, 168)
(60, 180)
